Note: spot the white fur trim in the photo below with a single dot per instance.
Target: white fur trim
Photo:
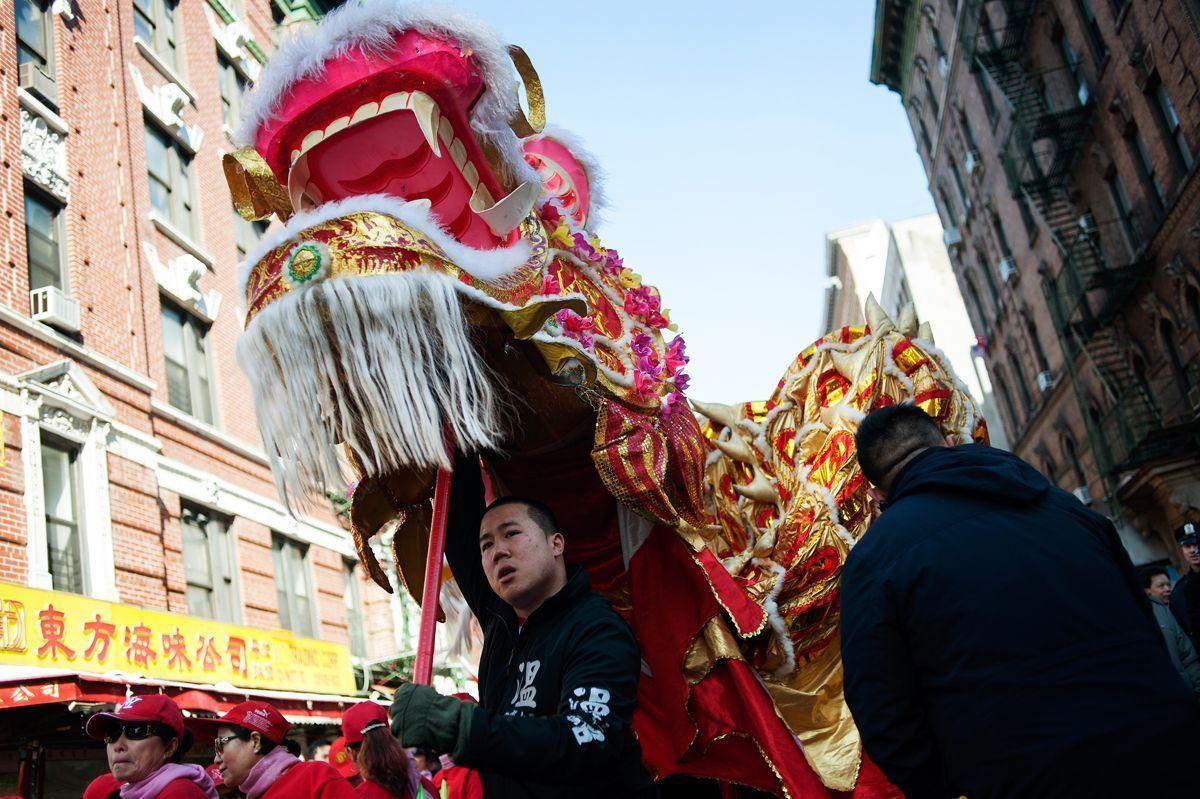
(775, 619)
(598, 199)
(370, 26)
(486, 265)
(391, 353)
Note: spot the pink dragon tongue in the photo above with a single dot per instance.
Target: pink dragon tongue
(563, 177)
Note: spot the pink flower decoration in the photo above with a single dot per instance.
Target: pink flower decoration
(641, 344)
(676, 356)
(644, 385)
(584, 249)
(650, 365)
(613, 263)
(550, 285)
(577, 327)
(672, 404)
(681, 381)
(636, 302)
(551, 215)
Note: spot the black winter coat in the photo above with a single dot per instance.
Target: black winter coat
(557, 694)
(996, 642)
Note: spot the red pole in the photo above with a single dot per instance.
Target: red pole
(423, 670)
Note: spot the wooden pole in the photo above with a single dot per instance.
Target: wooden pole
(423, 670)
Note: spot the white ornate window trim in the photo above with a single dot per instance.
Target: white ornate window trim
(165, 104)
(179, 279)
(60, 399)
(163, 67)
(43, 148)
(231, 39)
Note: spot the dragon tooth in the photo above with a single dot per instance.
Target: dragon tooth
(907, 321)
(393, 102)
(311, 140)
(759, 489)
(503, 217)
(925, 332)
(365, 111)
(471, 174)
(341, 123)
(736, 448)
(446, 132)
(428, 117)
(295, 156)
(458, 152)
(721, 414)
(481, 199)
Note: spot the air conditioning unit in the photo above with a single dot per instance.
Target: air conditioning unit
(32, 79)
(1087, 226)
(55, 308)
(1084, 94)
(952, 238)
(943, 66)
(1083, 495)
(971, 162)
(1045, 381)
(1008, 269)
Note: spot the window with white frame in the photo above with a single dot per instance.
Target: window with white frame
(1168, 117)
(209, 566)
(233, 90)
(169, 167)
(354, 613)
(185, 350)
(293, 584)
(43, 241)
(60, 494)
(35, 47)
(247, 233)
(156, 22)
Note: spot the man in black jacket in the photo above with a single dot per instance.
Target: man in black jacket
(559, 669)
(1185, 598)
(995, 638)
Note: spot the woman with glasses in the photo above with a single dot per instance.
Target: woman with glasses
(146, 743)
(250, 752)
(387, 770)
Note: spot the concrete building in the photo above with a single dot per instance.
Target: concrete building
(1060, 141)
(903, 263)
(132, 478)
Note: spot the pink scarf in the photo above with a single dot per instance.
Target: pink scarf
(266, 772)
(151, 786)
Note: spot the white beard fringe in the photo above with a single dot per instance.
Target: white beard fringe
(390, 352)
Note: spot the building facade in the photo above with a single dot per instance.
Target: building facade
(131, 468)
(900, 264)
(1060, 140)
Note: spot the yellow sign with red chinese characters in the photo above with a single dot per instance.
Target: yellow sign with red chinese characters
(52, 629)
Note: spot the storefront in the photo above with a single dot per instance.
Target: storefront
(63, 657)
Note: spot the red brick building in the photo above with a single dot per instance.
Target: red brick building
(1061, 140)
(132, 469)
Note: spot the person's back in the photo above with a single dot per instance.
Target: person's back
(1012, 612)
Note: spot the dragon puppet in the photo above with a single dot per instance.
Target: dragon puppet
(437, 283)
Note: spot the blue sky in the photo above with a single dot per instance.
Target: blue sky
(733, 137)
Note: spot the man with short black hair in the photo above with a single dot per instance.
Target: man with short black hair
(559, 670)
(1157, 585)
(1185, 596)
(995, 640)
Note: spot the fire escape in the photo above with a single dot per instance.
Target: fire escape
(1100, 269)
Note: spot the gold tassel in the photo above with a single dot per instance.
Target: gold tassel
(256, 193)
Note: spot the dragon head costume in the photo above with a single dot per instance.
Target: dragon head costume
(437, 277)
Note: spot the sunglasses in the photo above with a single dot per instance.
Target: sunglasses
(138, 732)
(219, 743)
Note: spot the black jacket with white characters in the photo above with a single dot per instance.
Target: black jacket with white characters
(557, 694)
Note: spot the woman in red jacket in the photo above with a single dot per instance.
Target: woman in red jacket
(146, 743)
(251, 758)
(387, 770)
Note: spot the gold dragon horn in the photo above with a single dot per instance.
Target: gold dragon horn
(908, 320)
(721, 414)
(881, 324)
(925, 333)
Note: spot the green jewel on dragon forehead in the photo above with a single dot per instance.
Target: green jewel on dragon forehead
(308, 263)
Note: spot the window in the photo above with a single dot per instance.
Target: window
(60, 487)
(947, 205)
(354, 614)
(1169, 120)
(1072, 61)
(960, 187)
(233, 89)
(973, 297)
(293, 585)
(170, 169)
(1191, 298)
(1027, 219)
(1145, 166)
(209, 566)
(156, 23)
(246, 233)
(1068, 448)
(989, 278)
(1124, 209)
(35, 43)
(935, 39)
(1095, 37)
(1001, 236)
(931, 98)
(968, 133)
(985, 94)
(923, 130)
(185, 348)
(1035, 341)
(43, 234)
(1166, 332)
(1018, 376)
(1006, 400)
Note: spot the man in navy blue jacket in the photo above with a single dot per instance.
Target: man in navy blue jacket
(996, 640)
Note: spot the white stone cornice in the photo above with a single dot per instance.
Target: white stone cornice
(165, 103)
(179, 278)
(43, 154)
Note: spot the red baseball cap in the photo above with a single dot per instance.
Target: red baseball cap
(103, 787)
(253, 716)
(139, 708)
(214, 774)
(362, 717)
(340, 759)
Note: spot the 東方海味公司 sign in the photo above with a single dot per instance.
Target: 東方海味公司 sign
(57, 630)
